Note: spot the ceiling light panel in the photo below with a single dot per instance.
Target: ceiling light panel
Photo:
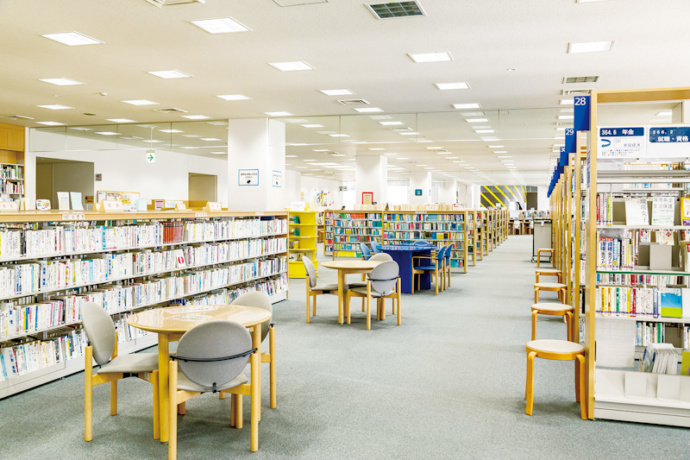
(61, 81)
(233, 97)
(590, 47)
(169, 74)
(337, 92)
(55, 107)
(50, 123)
(451, 86)
(195, 117)
(422, 58)
(221, 25)
(278, 114)
(291, 66)
(72, 39)
(369, 109)
(140, 102)
(121, 120)
(466, 106)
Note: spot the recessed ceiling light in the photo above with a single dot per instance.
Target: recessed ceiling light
(567, 101)
(107, 133)
(337, 92)
(55, 107)
(566, 117)
(209, 139)
(321, 150)
(278, 114)
(72, 39)
(339, 135)
(233, 97)
(190, 135)
(170, 131)
(444, 152)
(590, 47)
(369, 109)
(196, 117)
(313, 125)
(50, 123)
(443, 56)
(449, 86)
(374, 149)
(140, 102)
(435, 148)
(560, 128)
(472, 105)
(476, 120)
(489, 138)
(391, 123)
(452, 158)
(121, 120)
(409, 134)
(169, 74)
(82, 128)
(221, 25)
(291, 66)
(484, 131)
(152, 141)
(218, 153)
(501, 151)
(496, 146)
(325, 132)
(61, 81)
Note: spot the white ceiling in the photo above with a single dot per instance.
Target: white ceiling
(348, 48)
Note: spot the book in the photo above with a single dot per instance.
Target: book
(685, 363)
(636, 212)
(75, 198)
(685, 211)
(63, 201)
(663, 210)
(670, 303)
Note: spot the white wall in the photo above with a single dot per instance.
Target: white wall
(309, 186)
(542, 200)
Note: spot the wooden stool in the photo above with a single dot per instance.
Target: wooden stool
(553, 309)
(548, 272)
(559, 350)
(553, 287)
(548, 251)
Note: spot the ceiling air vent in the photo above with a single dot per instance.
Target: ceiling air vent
(395, 9)
(162, 3)
(573, 92)
(353, 101)
(591, 79)
(170, 110)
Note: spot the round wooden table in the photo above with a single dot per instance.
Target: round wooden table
(348, 267)
(170, 323)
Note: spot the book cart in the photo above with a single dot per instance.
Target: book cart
(51, 262)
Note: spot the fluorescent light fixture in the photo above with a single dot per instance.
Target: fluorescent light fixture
(435, 148)
(72, 39)
(190, 135)
(444, 152)
(152, 141)
(567, 101)
(560, 128)
(325, 164)
(471, 105)
(484, 131)
(195, 117)
(409, 134)
(313, 125)
(121, 120)
(291, 66)
(169, 74)
(190, 148)
(218, 153)
(489, 138)
(82, 128)
(391, 123)
(476, 120)
(310, 159)
(61, 81)
(452, 158)
(140, 102)
(419, 58)
(566, 117)
(571, 110)
(325, 132)
(170, 131)
(221, 25)
(337, 92)
(590, 47)
(107, 133)
(369, 109)
(233, 97)
(50, 123)
(55, 107)
(210, 139)
(278, 114)
(339, 155)
(374, 149)
(496, 146)
(449, 86)
(339, 135)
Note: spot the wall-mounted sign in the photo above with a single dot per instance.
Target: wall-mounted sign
(418, 192)
(247, 177)
(367, 197)
(277, 178)
(150, 156)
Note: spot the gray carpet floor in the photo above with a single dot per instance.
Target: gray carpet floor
(448, 383)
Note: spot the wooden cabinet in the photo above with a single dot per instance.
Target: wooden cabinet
(11, 137)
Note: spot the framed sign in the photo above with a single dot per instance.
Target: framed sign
(248, 177)
(277, 178)
(367, 197)
(418, 192)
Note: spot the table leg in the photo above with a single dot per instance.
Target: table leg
(341, 296)
(256, 339)
(163, 385)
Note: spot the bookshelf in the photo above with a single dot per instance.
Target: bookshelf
(12, 186)
(328, 233)
(437, 227)
(473, 243)
(353, 227)
(321, 228)
(125, 261)
(624, 261)
(303, 233)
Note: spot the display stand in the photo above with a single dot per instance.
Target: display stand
(302, 241)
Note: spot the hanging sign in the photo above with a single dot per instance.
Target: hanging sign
(581, 105)
(668, 141)
(570, 140)
(247, 177)
(621, 142)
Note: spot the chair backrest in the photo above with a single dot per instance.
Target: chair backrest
(449, 252)
(366, 253)
(311, 271)
(209, 340)
(441, 253)
(381, 256)
(256, 299)
(375, 247)
(100, 330)
(384, 277)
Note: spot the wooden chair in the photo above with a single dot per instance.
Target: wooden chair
(436, 267)
(262, 300)
(102, 337)
(382, 283)
(211, 357)
(559, 350)
(446, 267)
(553, 309)
(548, 251)
(552, 287)
(312, 289)
(548, 272)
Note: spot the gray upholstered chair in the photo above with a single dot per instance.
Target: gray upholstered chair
(382, 283)
(313, 289)
(210, 358)
(262, 300)
(380, 257)
(100, 331)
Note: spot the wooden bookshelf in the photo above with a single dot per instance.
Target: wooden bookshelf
(302, 241)
(126, 262)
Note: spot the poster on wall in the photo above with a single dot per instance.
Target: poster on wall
(247, 177)
(367, 197)
(277, 178)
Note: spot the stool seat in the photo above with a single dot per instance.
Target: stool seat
(558, 347)
(548, 286)
(555, 307)
(547, 270)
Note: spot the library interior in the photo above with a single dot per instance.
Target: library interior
(182, 182)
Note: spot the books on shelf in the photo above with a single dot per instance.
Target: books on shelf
(661, 358)
(636, 212)
(663, 210)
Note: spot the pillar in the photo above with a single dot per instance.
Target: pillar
(447, 192)
(256, 165)
(371, 175)
(420, 187)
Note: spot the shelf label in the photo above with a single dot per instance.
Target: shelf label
(581, 107)
(669, 135)
(213, 206)
(111, 206)
(73, 216)
(621, 142)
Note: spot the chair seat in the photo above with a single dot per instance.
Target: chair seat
(549, 285)
(544, 271)
(552, 306)
(327, 287)
(183, 383)
(554, 346)
(132, 364)
(426, 267)
(363, 291)
(545, 249)
(356, 285)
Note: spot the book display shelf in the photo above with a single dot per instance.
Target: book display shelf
(302, 241)
(637, 302)
(321, 228)
(437, 227)
(349, 228)
(51, 262)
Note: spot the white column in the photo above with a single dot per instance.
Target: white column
(256, 144)
(292, 187)
(371, 175)
(420, 181)
(447, 192)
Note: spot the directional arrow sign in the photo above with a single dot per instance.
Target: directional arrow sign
(150, 157)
